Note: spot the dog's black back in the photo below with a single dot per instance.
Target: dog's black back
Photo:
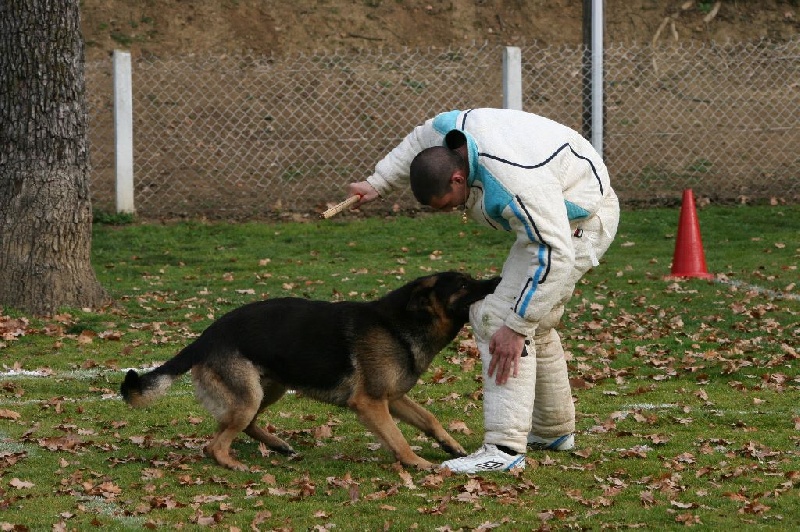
(295, 340)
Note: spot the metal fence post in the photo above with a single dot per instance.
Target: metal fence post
(598, 95)
(512, 78)
(123, 131)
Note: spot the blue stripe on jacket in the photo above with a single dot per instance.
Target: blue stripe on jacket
(543, 257)
(445, 122)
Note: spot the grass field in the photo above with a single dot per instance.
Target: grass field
(686, 390)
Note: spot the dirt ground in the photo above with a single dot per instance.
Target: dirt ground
(178, 27)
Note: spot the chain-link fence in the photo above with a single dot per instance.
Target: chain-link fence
(248, 137)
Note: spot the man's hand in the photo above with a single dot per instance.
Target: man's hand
(363, 189)
(506, 348)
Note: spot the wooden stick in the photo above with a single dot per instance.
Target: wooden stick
(339, 207)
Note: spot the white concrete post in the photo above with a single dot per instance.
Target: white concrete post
(512, 78)
(123, 131)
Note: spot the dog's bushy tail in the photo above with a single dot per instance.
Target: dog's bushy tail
(140, 391)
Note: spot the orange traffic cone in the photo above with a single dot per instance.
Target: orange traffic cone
(689, 259)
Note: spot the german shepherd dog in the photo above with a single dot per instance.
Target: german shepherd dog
(362, 355)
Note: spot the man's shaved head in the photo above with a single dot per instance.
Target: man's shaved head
(431, 170)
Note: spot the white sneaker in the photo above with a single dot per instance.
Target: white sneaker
(561, 443)
(487, 458)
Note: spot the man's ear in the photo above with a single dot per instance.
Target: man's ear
(458, 177)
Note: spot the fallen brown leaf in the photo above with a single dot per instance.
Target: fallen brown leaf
(9, 414)
(20, 484)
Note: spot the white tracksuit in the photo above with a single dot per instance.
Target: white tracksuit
(544, 182)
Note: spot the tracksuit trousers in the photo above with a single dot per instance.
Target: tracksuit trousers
(539, 399)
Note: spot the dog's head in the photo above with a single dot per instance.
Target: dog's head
(450, 294)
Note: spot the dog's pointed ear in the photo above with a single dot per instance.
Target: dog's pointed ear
(420, 298)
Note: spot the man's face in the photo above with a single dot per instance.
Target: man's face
(453, 198)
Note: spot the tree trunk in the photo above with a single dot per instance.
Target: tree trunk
(45, 208)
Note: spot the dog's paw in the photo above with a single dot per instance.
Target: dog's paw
(454, 450)
(285, 450)
(425, 465)
(223, 458)
(236, 466)
(230, 463)
(420, 463)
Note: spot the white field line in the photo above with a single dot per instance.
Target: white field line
(7, 445)
(84, 399)
(115, 376)
(77, 374)
(112, 510)
(631, 409)
(756, 289)
(651, 406)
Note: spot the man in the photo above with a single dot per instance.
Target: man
(544, 182)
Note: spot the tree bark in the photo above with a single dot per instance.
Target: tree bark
(45, 207)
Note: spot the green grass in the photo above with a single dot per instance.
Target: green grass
(686, 390)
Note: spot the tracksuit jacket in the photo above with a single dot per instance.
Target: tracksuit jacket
(528, 175)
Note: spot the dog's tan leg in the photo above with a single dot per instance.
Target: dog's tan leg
(374, 414)
(272, 392)
(414, 414)
(220, 445)
(234, 407)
